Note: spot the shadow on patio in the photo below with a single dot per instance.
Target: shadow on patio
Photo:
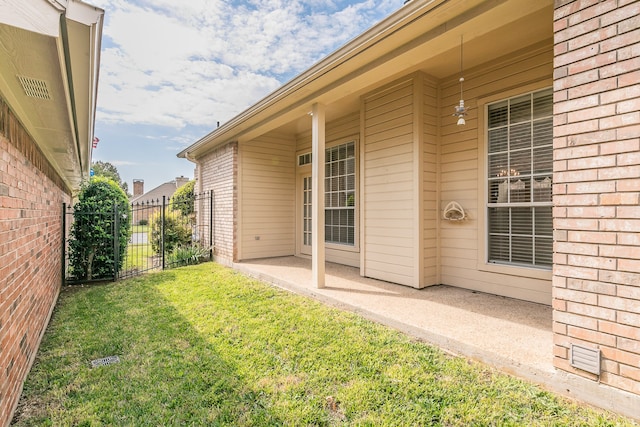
(512, 335)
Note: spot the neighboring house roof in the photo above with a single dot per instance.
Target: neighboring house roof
(167, 189)
(49, 62)
(420, 36)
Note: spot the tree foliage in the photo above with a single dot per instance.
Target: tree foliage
(183, 199)
(177, 232)
(101, 213)
(108, 170)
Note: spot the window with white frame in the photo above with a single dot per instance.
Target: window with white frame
(339, 194)
(520, 166)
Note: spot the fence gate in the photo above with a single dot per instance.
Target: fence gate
(160, 234)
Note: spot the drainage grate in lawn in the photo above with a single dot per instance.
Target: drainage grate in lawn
(110, 360)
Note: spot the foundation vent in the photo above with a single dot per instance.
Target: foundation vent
(586, 359)
(110, 360)
(35, 88)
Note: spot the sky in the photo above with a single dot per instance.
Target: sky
(171, 70)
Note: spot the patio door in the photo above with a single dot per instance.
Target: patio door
(305, 235)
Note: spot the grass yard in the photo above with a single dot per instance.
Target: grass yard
(205, 345)
(140, 228)
(139, 256)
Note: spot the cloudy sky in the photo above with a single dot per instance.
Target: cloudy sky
(170, 70)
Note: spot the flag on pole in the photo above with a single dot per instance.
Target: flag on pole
(95, 141)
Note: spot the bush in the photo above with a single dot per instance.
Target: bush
(177, 232)
(92, 248)
(143, 222)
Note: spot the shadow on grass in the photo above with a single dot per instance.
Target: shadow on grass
(347, 280)
(168, 373)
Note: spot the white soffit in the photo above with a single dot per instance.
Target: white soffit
(30, 15)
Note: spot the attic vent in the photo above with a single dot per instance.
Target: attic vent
(304, 159)
(35, 88)
(587, 359)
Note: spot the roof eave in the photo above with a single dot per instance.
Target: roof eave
(230, 130)
(67, 36)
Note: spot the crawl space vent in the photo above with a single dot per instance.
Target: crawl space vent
(35, 88)
(587, 359)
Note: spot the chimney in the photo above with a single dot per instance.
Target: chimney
(180, 181)
(138, 187)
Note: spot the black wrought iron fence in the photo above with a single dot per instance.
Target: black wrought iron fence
(162, 234)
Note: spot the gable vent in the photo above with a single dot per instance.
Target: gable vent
(35, 88)
(587, 359)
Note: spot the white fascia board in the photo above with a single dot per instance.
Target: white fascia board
(38, 16)
(84, 13)
(89, 61)
(85, 63)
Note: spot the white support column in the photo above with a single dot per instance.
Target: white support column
(317, 185)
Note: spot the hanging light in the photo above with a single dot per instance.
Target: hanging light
(461, 110)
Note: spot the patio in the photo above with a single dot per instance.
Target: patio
(509, 334)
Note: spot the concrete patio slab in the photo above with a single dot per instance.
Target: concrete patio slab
(496, 330)
(511, 335)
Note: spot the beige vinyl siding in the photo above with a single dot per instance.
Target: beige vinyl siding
(431, 182)
(342, 130)
(267, 197)
(462, 156)
(389, 184)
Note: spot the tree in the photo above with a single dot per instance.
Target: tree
(183, 199)
(101, 215)
(108, 170)
(177, 232)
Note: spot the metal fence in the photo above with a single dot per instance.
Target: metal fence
(161, 234)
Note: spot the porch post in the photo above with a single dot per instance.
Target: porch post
(317, 191)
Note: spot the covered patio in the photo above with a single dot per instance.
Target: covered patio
(507, 333)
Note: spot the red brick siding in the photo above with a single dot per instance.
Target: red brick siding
(30, 254)
(596, 294)
(219, 172)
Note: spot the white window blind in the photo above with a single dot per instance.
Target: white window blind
(520, 167)
(339, 194)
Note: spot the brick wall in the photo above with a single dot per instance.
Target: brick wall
(30, 254)
(596, 284)
(219, 172)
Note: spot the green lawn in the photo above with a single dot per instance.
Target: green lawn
(140, 228)
(138, 257)
(205, 345)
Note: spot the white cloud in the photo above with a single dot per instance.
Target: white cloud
(204, 61)
(122, 163)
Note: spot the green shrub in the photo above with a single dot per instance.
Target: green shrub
(177, 232)
(143, 222)
(102, 205)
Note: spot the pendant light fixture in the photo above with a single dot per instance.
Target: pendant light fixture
(461, 110)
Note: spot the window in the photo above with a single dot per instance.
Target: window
(339, 194)
(520, 166)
